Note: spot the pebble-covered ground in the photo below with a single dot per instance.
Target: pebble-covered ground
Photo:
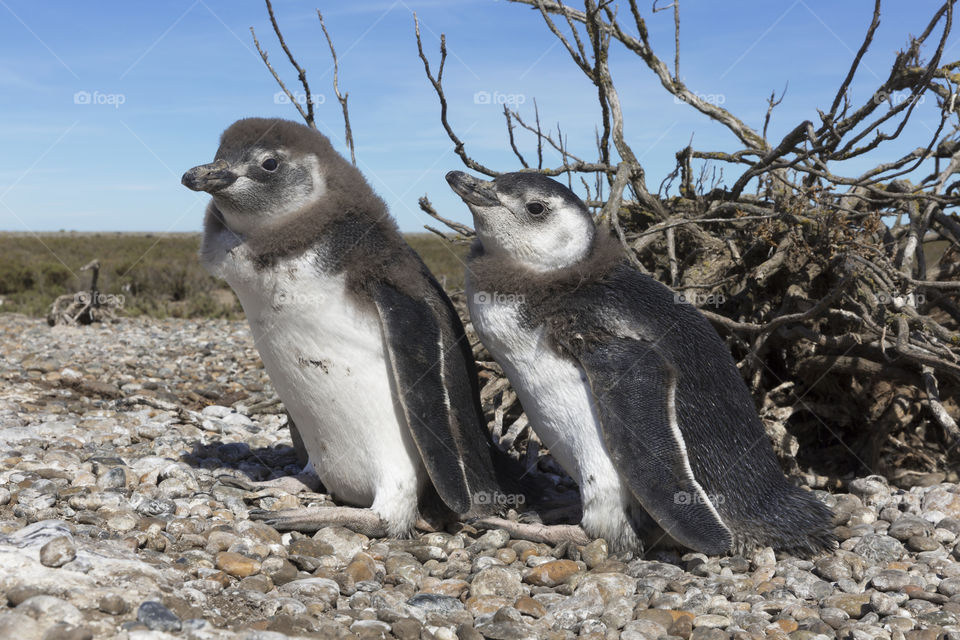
(114, 524)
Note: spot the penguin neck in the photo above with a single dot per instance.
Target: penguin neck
(538, 263)
(546, 257)
(365, 246)
(492, 272)
(309, 227)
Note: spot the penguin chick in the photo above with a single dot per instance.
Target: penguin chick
(361, 343)
(635, 394)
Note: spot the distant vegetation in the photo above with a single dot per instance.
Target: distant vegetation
(158, 275)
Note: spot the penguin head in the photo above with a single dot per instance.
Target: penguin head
(527, 217)
(266, 170)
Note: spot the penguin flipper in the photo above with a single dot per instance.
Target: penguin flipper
(633, 388)
(434, 391)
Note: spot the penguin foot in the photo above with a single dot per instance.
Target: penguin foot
(312, 519)
(427, 526)
(300, 483)
(550, 534)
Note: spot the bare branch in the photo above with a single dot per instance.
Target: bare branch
(427, 207)
(437, 83)
(842, 91)
(676, 34)
(773, 102)
(642, 48)
(513, 144)
(348, 133)
(950, 428)
(301, 74)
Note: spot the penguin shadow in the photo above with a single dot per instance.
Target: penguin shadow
(281, 464)
(242, 466)
(534, 489)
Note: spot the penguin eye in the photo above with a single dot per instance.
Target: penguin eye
(535, 208)
(270, 164)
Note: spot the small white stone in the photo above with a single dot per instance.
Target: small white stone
(70, 374)
(216, 411)
(237, 419)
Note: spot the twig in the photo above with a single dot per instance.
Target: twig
(301, 74)
(342, 99)
(513, 144)
(676, 34)
(427, 207)
(773, 102)
(437, 83)
(946, 421)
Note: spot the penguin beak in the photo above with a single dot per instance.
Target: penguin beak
(209, 177)
(472, 190)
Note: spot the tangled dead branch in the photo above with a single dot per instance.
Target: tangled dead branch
(836, 293)
(85, 307)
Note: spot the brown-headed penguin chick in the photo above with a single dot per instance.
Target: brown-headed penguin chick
(634, 393)
(361, 343)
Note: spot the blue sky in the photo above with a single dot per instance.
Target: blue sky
(165, 78)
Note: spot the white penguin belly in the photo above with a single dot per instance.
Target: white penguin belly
(327, 359)
(559, 403)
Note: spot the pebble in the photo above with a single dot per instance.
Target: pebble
(908, 526)
(436, 603)
(595, 553)
(64, 631)
(58, 552)
(879, 548)
(323, 589)
(854, 605)
(237, 564)
(497, 581)
(20, 626)
(551, 574)
(279, 570)
(891, 580)
(113, 604)
(51, 608)
(158, 617)
(530, 607)
(341, 543)
(362, 568)
(493, 539)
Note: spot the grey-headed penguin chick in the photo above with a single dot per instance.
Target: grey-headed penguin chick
(361, 343)
(635, 395)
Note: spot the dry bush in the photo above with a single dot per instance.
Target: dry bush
(844, 325)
